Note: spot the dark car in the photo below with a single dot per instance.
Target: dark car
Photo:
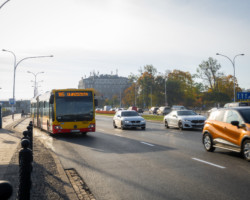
(164, 110)
(140, 110)
(153, 110)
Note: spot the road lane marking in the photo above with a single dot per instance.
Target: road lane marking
(148, 144)
(100, 130)
(209, 163)
(97, 149)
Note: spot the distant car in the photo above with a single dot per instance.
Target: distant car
(236, 104)
(164, 110)
(117, 109)
(128, 119)
(153, 110)
(228, 128)
(184, 119)
(140, 110)
(178, 108)
(132, 108)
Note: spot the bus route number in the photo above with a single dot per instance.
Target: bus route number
(73, 94)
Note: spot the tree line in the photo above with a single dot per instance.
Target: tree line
(208, 87)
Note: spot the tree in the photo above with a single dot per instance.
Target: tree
(226, 85)
(174, 92)
(187, 88)
(129, 96)
(208, 71)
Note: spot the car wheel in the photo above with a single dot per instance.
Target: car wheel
(122, 127)
(143, 128)
(114, 124)
(246, 150)
(208, 143)
(166, 124)
(180, 125)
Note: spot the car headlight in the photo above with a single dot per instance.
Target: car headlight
(142, 121)
(186, 120)
(126, 121)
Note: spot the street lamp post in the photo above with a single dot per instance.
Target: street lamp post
(35, 84)
(15, 66)
(165, 93)
(233, 63)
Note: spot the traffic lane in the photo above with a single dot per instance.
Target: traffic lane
(101, 165)
(110, 165)
(188, 141)
(149, 172)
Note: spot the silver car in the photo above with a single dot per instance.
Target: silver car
(184, 119)
(128, 119)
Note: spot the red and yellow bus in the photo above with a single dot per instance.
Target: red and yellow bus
(65, 111)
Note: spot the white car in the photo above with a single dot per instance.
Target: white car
(128, 119)
(184, 119)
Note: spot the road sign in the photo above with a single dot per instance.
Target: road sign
(12, 101)
(243, 95)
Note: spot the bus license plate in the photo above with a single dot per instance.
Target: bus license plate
(75, 131)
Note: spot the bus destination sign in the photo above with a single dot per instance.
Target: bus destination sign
(73, 94)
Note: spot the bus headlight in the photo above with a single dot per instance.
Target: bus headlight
(58, 127)
(91, 126)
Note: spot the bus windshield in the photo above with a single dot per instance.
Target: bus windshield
(74, 109)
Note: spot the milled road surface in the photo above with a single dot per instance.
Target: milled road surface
(157, 163)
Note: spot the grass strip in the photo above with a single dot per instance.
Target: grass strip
(146, 117)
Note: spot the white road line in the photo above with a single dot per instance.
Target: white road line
(100, 129)
(118, 135)
(209, 163)
(148, 144)
(98, 149)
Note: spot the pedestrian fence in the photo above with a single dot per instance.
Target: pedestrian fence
(25, 169)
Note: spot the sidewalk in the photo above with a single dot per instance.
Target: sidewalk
(49, 181)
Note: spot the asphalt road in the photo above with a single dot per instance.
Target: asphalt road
(157, 163)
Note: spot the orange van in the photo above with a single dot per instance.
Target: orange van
(228, 128)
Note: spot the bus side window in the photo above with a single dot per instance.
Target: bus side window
(52, 112)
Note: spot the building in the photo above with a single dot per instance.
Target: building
(20, 105)
(106, 85)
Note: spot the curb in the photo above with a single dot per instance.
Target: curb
(66, 182)
(69, 190)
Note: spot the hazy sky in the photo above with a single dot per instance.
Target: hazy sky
(123, 35)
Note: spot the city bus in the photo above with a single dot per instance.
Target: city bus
(65, 111)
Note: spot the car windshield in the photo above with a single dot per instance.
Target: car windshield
(186, 112)
(246, 115)
(129, 114)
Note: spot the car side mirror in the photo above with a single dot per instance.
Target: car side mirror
(118, 115)
(235, 123)
(96, 102)
(175, 116)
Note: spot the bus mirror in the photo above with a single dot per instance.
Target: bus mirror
(96, 102)
(51, 99)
